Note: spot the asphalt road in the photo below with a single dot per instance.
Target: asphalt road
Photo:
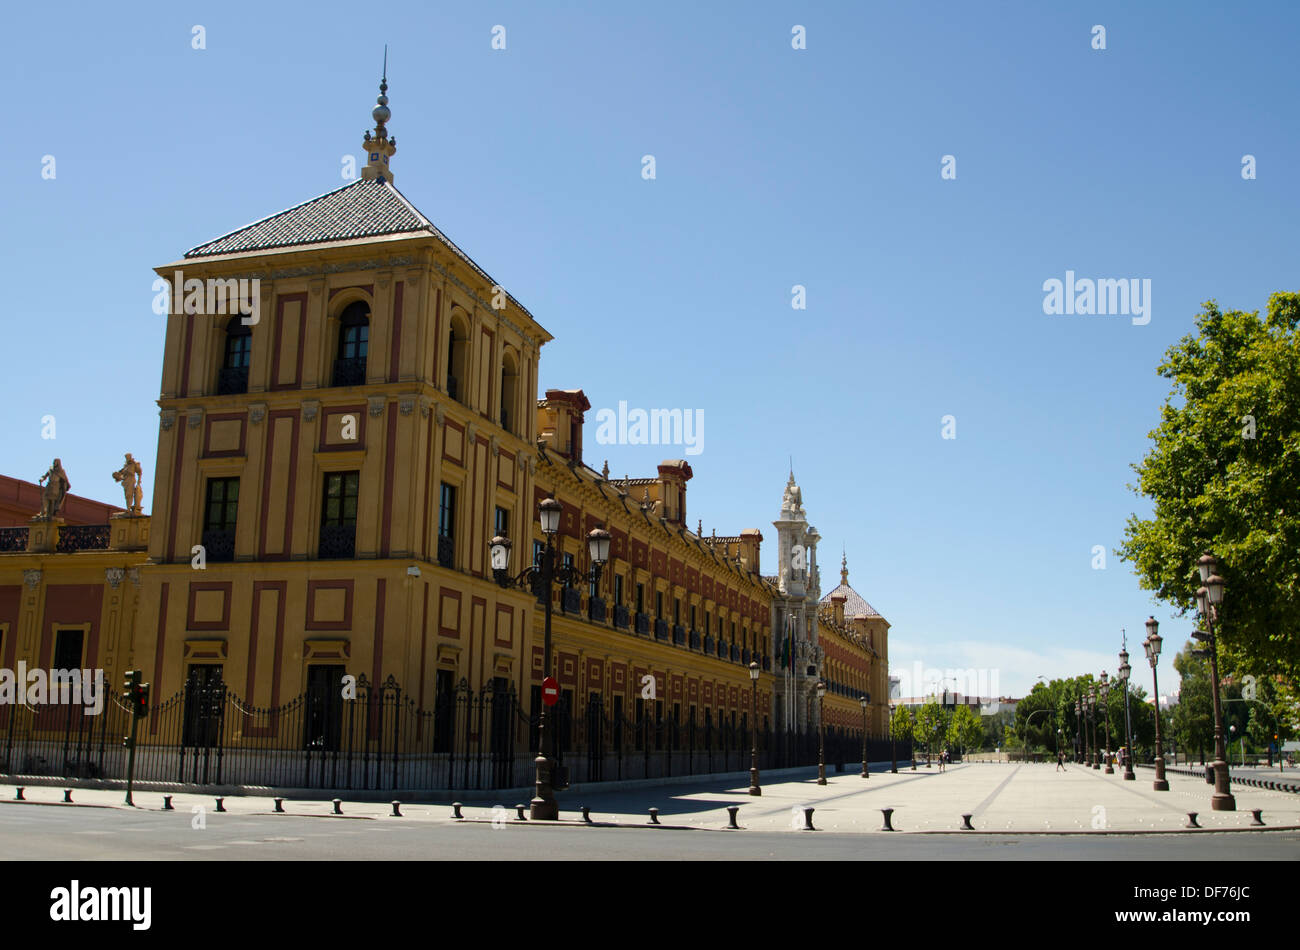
(38, 832)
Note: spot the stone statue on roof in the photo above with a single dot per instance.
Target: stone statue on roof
(792, 499)
(131, 475)
(55, 491)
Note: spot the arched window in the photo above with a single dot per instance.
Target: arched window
(354, 338)
(509, 392)
(458, 361)
(233, 376)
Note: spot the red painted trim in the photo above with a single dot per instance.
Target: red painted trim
(359, 411)
(158, 651)
(241, 417)
(187, 341)
(394, 352)
(445, 594)
(424, 638)
(390, 474)
(227, 587)
(368, 288)
(311, 623)
(271, 418)
(277, 343)
(182, 422)
(381, 588)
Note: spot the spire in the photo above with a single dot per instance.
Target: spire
(379, 147)
(844, 569)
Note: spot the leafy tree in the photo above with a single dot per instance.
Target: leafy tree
(930, 726)
(1223, 474)
(1191, 722)
(995, 728)
(900, 724)
(964, 729)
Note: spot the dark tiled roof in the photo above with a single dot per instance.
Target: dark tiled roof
(364, 208)
(854, 605)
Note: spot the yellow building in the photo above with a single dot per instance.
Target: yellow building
(347, 418)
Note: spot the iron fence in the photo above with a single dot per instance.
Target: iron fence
(378, 737)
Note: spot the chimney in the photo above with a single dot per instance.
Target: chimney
(750, 540)
(673, 476)
(559, 421)
(837, 606)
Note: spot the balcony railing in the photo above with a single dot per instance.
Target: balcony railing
(596, 609)
(679, 635)
(695, 639)
(735, 653)
(219, 545)
(622, 616)
(722, 648)
(351, 372)
(709, 645)
(744, 656)
(661, 629)
(767, 663)
(232, 380)
(83, 537)
(446, 551)
(13, 539)
(571, 600)
(338, 541)
(643, 624)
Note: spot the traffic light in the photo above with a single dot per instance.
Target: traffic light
(128, 688)
(141, 708)
(135, 695)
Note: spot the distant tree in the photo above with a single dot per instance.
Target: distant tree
(930, 726)
(964, 729)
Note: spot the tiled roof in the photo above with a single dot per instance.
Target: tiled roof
(365, 208)
(854, 605)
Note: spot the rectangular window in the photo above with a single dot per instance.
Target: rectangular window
(340, 508)
(618, 589)
(503, 522)
(659, 604)
(222, 503)
(204, 705)
(692, 616)
(640, 598)
(677, 610)
(618, 723)
(539, 552)
(639, 724)
(67, 649)
(447, 525)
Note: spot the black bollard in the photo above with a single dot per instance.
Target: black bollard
(807, 819)
(731, 811)
(889, 814)
(455, 811)
(519, 813)
(18, 794)
(654, 816)
(221, 806)
(1255, 816)
(397, 809)
(279, 805)
(586, 814)
(67, 795)
(167, 803)
(338, 806)
(965, 823)
(1191, 820)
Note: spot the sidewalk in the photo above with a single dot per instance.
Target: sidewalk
(1011, 798)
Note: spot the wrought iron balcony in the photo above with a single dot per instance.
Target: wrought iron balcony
(744, 656)
(709, 644)
(446, 552)
(735, 653)
(338, 541)
(679, 635)
(83, 537)
(232, 380)
(350, 372)
(596, 609)
(622, 616)
(695, 639)
(219, 545)
(661, 629)
(722, 648)
(13, 539)
(643, 624)
(767, 663)
(570, 600)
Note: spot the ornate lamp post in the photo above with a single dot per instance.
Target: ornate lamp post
(539, 579)
(893, 746)
(1125, 671)
(821, 733)
(1208, 599)
(1152, 646)
(1078, 731)
(754, 788)
(1095, 757)
(863, 700)
(1105, 718)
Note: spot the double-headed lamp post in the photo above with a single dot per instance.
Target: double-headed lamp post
(1122, 677)
(1152, 646)
(754, 788)
(1208, 598)
(821, 731)
(864, 700)
(1092, 727)
(1078, 730)
(1105, 718)
(539, 578)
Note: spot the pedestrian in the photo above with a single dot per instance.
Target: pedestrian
(1060, 761)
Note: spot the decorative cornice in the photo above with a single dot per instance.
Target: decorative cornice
(256, 412)
(167, 419)
(309, 409)
(32, 578)
(114, 576)
(376, 404)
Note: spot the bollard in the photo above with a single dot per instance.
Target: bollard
(221, 804)
(338, 806)
(586, 814)
(455, 811)
(965, 823)
(67, 795)
(397, 809)
(1255, 816)
(167, 803)
(279, 805)
(731, 811)
(1191, 820)
(18, 794)
(888, 813)
(654, 816)
(519, 813)
(807, 819)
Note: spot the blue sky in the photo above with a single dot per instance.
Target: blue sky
(775, 167)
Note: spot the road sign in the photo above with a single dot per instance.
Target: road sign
(550, 691)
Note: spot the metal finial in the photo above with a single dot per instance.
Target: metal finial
(383, 82)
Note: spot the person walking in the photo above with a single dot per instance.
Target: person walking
(1060, 761)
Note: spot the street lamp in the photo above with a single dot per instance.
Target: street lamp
(1092, 725)
(821, 733)
(863, 701)
(1105, 713)
(1122, 677)
(1152, 646)
(539, 578)
(753, 753)
(893, 745)
(1208, 599)
(1078, 730)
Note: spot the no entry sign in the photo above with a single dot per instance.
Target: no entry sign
(550, 691)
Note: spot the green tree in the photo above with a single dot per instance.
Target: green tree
(900, 724)
(1223, 474)
(930, 726)
(1191, 721)
(965, 731)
